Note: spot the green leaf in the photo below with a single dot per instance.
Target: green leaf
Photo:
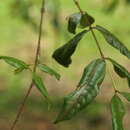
(120, 70)
(126, 95)
(73, 21)
(77, 19)
(37, 80)
(75, 102)
(49, 70)
(113, 41)
(14, 62)
(118, 112)
(93, 72)
(63, 54)
(86, 20)
(82, 96)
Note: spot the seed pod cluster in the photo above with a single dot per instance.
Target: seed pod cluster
(92, 77)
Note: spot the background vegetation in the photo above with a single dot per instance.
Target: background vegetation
(18, 36)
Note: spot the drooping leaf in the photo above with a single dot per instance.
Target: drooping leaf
(82, 96)
(113, 41)
(63, 54)
(77, 19)
(14, 62)
(49, 70)
(86, 20)
(126, 95)
(73, 21)
(118, 112)
(75, 102)
(37, 80)
(93, 71)
(120, 70)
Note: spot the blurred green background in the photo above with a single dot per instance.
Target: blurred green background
(19, 21)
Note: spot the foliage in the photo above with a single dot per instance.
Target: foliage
(93, 75)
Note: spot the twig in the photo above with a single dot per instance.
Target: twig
(34, 69)
(97, 43)
(78, 6)
(91, 29)
(21, 107)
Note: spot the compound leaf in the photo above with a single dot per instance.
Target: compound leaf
(49, 70)
(113, 41)
(118, 112)
(120, 70)
(63, 54)
(82, 96)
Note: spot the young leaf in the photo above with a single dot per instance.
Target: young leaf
(49, 70)
(118, 112)
(83, 20)
(73, 21)
(63, 54)
(40, 85)
(93, 71)
(14, 62)
(86, 20)
(120, 70)
(126, 95)
(113, 41)
(82, 96)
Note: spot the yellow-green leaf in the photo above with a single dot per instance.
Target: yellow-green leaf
(49, 70)
(37, 80)
(14, 62)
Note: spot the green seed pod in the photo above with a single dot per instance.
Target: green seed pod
(82, 96)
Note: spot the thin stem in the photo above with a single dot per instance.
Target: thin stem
(78, 6)
(39, 38)
(21, 107)
(91, 29)
(34, 68)
(97, 43)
